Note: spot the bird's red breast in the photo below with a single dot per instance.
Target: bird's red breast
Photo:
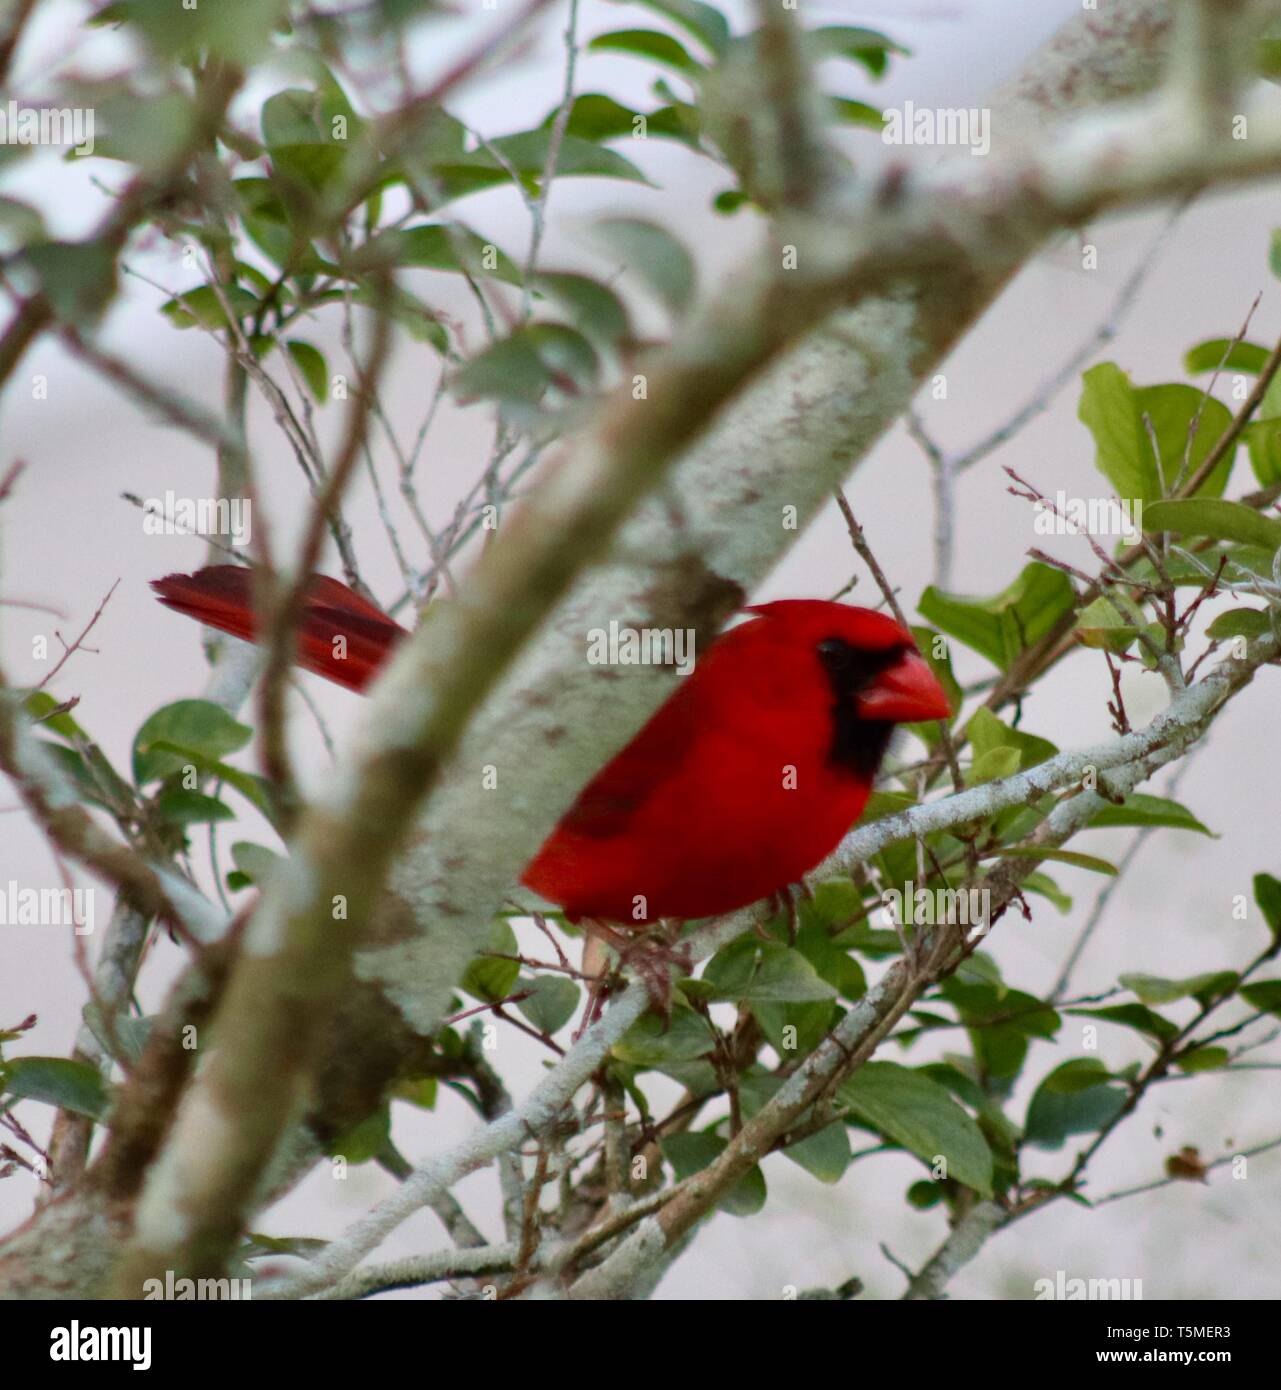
(743, 781)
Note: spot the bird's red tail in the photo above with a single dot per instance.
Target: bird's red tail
(341, 636)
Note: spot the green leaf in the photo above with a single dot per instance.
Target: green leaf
(1240, 357)
(1073, 1099)
(127, 1034)
(510, 370)
(150, 132)
(20, 223)
(651, 1043)
(181, 807)
(434, 246)
(422, 1091)
(1110, 410)
(992, 765)
(489, 978)
(652, 45)
(519, 369)
(1250, 623)
(1136, 1016)
(986, 732)
(983, 971)
(704, 22)
(597, 117)
(411, 314)
(309, 134)
(795, 1030)
(832, 961)
(58, 1081)
(653, 254)
(527, 154)
(594, 118)
(39, 703)
(1243, 560)
(256, 790)
(765, 973)
(1204, 1059)
(1267, 893)
(1079, 1074)
(1112, 621)
(857, 113)
(311, 364)
(833, 903)
(919, 1114)
(1058, 856)
(1172, 409)
(1264, 995)
(258, 1245)
(95, 779)
(865, 46)
(364, 1141)
(999, 1020)
(1267, 57)
(204, 307)
(77, 278)
(1045, 887)
(255, 862)
(881, 804)
(1153, 989)
(1001, 1132)
(577, 158)
(551, 1002)
(594, 309)
(729, 201)
(238, 31)
(691, 1153)
(266, 222)
(1224, 521)
(1263, 441)
(824, 1155)
(1140, 809)
(196, 725)
(1002, 626)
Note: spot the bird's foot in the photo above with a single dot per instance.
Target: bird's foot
(653, 957)
(650, 955)
(785, 902)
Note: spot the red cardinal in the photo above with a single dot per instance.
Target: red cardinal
(741, 783)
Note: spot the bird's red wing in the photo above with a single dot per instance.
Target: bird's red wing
(221, 596)
(608, 803)
(366, 643)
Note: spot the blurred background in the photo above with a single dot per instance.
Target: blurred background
(66, 536)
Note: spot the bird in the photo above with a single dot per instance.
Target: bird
(743, 781)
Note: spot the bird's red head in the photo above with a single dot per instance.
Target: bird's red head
(866, 657)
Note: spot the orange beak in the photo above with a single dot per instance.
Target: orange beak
(905, 693)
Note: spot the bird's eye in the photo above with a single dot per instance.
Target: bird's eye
(835, 654)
